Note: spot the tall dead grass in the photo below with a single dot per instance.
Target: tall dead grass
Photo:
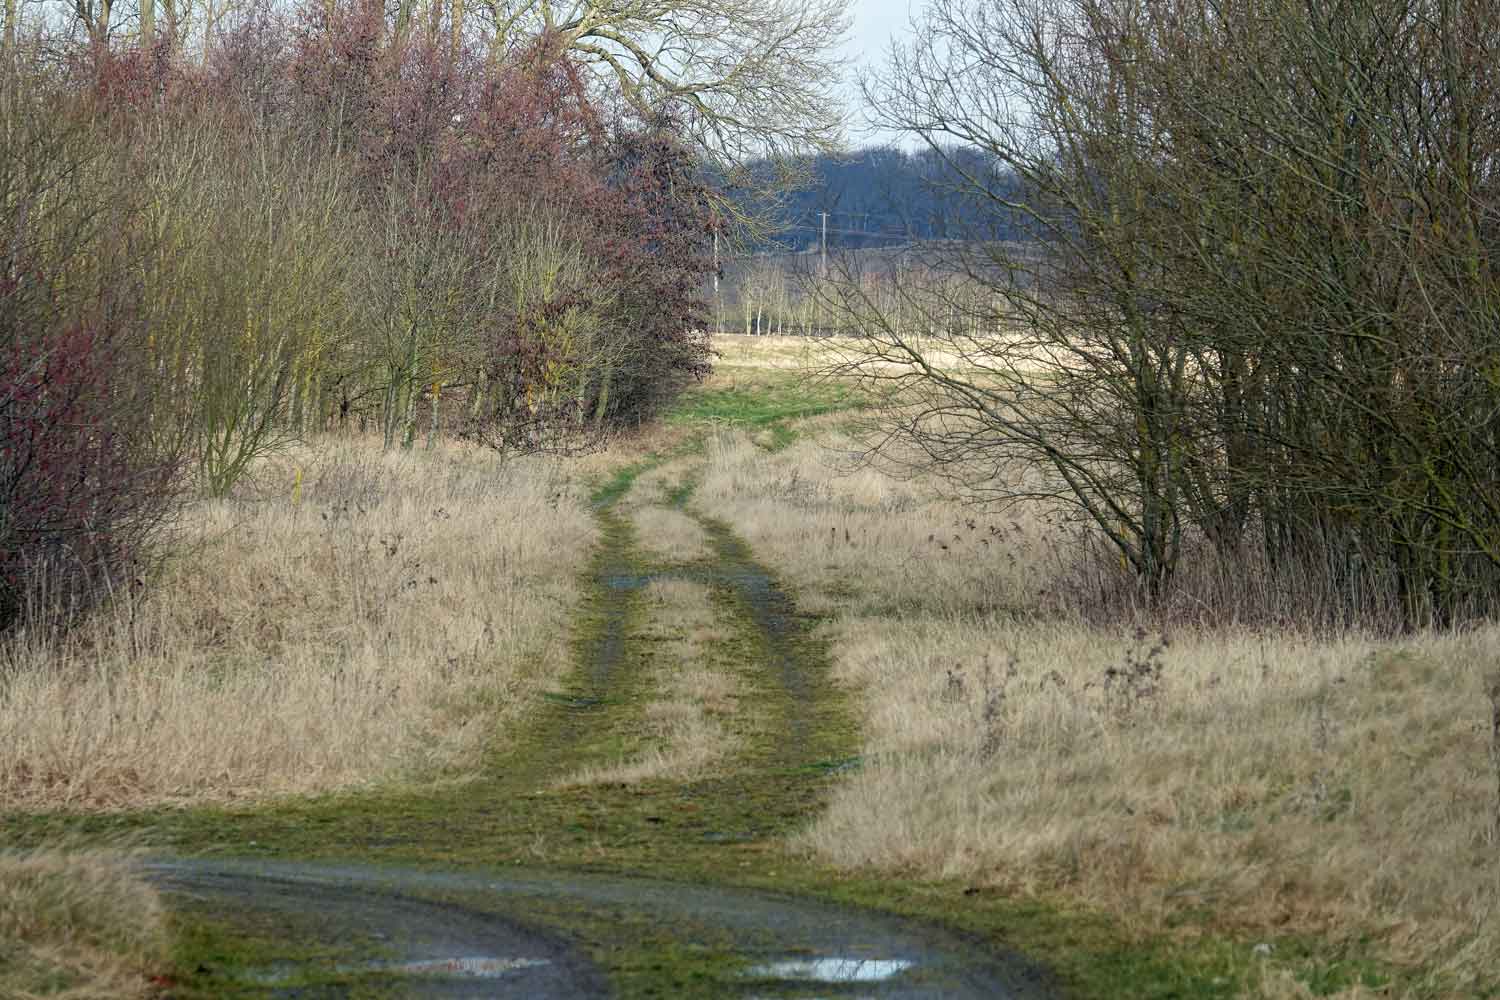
(1280, 782)
(857, 538)
(77, 925)
(369, 617)
(1337, 788)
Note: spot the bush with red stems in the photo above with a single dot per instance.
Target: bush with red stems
(82, 491)
(447, 227)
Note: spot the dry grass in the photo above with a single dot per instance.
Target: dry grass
(688, 719)
(802, 354)
(1337, 788)
(669, 535)
(1282, 784)
(809, 510)
(663, 533)
(790, 353)
(77, 925)
(386, 622)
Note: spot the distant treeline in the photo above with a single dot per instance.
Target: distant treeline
(881, 196)
(882, 205)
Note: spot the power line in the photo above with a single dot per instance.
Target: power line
(762, 254)
(845, 232)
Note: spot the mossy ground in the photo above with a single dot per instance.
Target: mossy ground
(728, 829)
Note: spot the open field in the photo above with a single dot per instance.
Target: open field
(728, 652)
(353, 618)
(805, 354)
(1274, 784)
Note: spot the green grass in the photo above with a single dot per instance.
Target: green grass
(214, 956)
(762, 399)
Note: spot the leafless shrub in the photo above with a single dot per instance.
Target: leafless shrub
(1311, 590)
(1217, 318)
(986, 696)
(1135, 683)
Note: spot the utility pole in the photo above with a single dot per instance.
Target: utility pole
(822, 267)
(823, 248)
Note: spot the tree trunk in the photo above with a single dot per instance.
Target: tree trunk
(409, 415)
(389, 418)
(432, 429)
(456, 26)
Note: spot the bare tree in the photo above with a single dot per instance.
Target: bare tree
(1255, 302)
(1067, 366)
(750, 77)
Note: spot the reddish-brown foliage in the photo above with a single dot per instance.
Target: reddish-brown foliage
(79, 492)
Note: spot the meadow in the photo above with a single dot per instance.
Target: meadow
(1275, 782)
(1323, 807)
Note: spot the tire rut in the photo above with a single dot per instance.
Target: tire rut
(523, 932)
(443, 934)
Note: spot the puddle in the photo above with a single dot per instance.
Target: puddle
(461, 934)
(463, 967)
(832, 970)
(628, 581)
(474, 967)
(572, 700)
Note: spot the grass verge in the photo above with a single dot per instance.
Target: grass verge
(360, 617)
(78, 924)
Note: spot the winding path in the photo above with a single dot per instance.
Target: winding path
(399, 928)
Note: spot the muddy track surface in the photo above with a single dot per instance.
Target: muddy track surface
(431, 934)
(488, 892)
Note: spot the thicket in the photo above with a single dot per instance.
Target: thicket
(85, 474)
(1253, 339)
(314, 221)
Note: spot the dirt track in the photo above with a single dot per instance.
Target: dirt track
(492, 925)
(429, 934)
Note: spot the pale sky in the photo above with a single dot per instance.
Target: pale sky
(875, 21)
